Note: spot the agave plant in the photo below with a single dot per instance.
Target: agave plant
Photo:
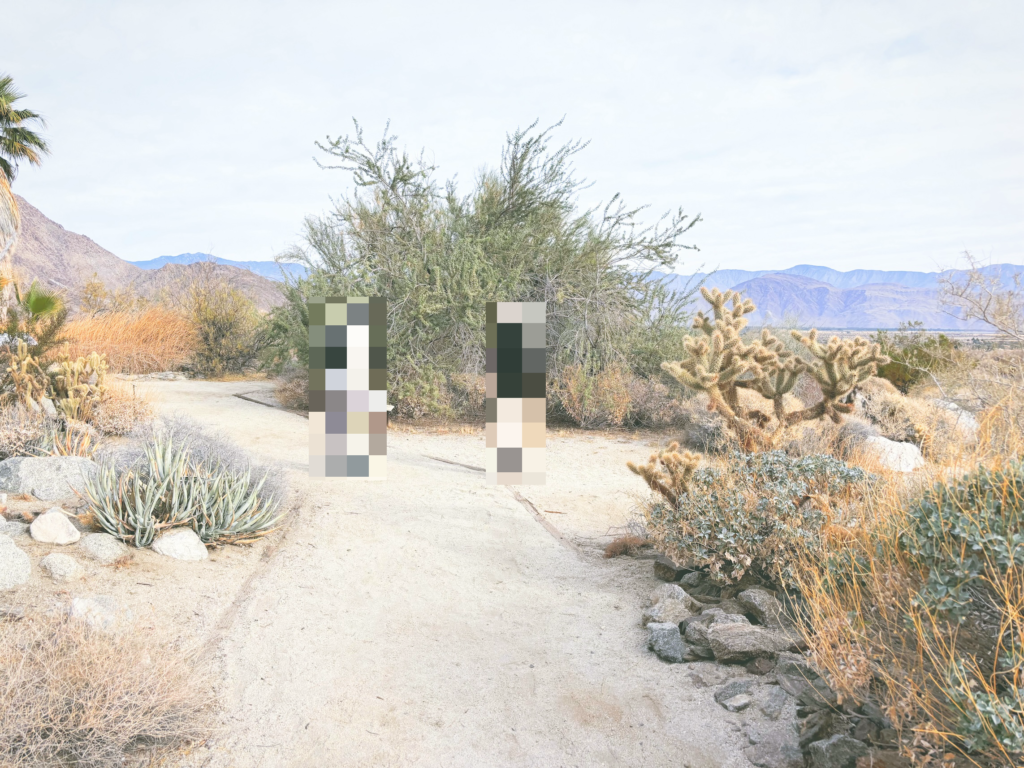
(230, 508)
(170, 489)
(135, 505)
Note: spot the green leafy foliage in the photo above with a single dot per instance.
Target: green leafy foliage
(518, 235)
(229, 328)
(759, 515)
(913, 354)
(964, 532)
(172, 489)
(17, 139)
(36, 316)
(986, 719)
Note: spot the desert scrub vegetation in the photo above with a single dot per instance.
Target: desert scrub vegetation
(756, 515)
(439, 255)
(153, 339)
(64, 409)
(908, 588)
(720, 364)
(923, 612)
(229, 331)
(202, 324)
(71, 695)
(184, 478)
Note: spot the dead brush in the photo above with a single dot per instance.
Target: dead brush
(625, 545)
(293, 390)
(73, 696)
(595, 399)
(121, 410)
(946, 664)
(156, 339)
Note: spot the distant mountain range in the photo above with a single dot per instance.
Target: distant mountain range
(861, 299)
(67, 261)
(268, 269)
(805, 295)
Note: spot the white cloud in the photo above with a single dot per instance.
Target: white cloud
(847, 134)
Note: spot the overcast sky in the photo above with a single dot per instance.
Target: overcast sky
(882, 135)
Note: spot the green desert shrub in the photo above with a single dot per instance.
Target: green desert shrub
(439, 255)
(966, 534)
(228, 326)
(759, 514)
(924, 612)
(915, 355)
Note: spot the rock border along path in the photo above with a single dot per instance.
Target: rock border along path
(429, 620)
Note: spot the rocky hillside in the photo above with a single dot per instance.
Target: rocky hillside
(268, 269)
(66, 261)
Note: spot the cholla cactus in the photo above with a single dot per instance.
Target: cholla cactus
(672, 478)
(841, 366)
(721, 364)
(30, 383)
(79, 385)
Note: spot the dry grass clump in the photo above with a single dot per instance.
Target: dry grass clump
(625, 545)
(468, 394)
(155, 339)
(941, 433)
(293, 390)
(71, 695)
(20, 430)
(840, 440)
(652, 405)
(593, 400)
(121, 411)
(922, 610)
(614, 397)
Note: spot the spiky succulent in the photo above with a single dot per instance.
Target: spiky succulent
(719, 363)
(170, 489)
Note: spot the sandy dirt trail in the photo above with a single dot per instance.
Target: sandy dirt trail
(431, 620)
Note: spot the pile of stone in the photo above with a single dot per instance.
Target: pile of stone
(691, 619)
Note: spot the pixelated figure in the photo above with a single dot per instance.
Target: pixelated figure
(348, 379)
(516, 391)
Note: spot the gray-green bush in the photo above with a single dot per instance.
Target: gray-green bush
(518, 235)
(760, 515)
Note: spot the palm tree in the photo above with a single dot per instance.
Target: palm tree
(17, 142)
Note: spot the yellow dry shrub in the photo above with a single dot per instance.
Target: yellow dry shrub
(942, 434)
(599, 399)
(72, 695)
(121, 410)
(156, 339)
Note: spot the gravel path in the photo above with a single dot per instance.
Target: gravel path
(432, 620)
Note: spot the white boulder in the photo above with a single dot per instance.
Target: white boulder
(896, 457)
(103, 548)
(49, 478)
(15, 567)
(53, 527)
(61, 567)
(181, 544)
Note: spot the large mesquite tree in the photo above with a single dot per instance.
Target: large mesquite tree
(518, 234)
